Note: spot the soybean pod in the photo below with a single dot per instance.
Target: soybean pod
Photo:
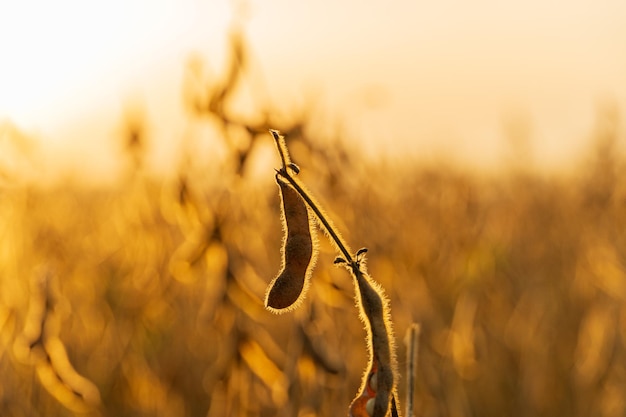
(288, 288)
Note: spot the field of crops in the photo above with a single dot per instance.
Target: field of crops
(145, 298)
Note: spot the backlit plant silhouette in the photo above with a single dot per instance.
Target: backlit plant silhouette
(144, 297)
(377, 395)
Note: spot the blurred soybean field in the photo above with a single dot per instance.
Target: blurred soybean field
(144, 298)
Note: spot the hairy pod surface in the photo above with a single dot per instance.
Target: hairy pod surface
(288, 288)
(378, 382)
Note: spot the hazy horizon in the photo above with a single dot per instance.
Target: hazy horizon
(441, 81)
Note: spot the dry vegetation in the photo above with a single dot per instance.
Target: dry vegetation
(146, 299)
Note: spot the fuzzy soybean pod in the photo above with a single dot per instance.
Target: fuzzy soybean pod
(288, 288)
(378, 387)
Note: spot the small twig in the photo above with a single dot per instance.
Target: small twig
(412, 342)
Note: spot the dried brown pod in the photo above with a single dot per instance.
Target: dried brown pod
(298, 253)
(378, 387)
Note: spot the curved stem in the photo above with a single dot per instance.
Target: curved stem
(281, 150)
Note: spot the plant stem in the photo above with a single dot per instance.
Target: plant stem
(281, 151)
(412, 341)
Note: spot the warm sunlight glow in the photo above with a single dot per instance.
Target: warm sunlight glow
(435, 79)
(182, 181)
(64, 59)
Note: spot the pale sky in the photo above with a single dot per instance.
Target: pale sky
(430, 78)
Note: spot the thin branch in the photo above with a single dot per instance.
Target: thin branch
(412, 341)
(284, 157)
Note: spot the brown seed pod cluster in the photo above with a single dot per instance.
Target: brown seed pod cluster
(298, 253)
